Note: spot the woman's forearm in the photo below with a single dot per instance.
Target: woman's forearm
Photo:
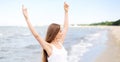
(66, 8)
(66, 22)
(25, 13)
(31, 28)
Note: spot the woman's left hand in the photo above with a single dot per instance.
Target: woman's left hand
(66, 7)
(25, 13)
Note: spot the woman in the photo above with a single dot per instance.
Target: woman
(53, 50)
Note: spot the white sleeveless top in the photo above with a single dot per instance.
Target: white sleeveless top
(58, 55)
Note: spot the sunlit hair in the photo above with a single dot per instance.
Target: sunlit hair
(52, 31)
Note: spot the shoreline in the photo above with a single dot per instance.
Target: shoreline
(112, 52)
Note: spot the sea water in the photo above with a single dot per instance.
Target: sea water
(17, 44)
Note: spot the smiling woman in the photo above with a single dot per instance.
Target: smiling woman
(53, 50)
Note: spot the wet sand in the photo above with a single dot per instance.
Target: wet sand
(112, 52)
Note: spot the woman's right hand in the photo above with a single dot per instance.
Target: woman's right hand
(25, 13)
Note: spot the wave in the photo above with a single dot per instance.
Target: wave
(78, 50)
(32, 46)
(2, 57)
(93, 37)
(26, 34)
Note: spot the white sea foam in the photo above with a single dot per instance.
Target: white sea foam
(78, 50)
(26, 34)
(94, 36)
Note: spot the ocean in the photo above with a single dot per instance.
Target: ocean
(83, 44)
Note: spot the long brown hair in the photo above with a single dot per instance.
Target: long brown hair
(52, 31)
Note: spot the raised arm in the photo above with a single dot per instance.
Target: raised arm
(42, 42)
(65, 27)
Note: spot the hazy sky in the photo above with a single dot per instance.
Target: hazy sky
(42, 12)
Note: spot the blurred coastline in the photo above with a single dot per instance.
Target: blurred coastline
(112, 52)
(83, 43)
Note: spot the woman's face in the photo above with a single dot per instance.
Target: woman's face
(59, 35)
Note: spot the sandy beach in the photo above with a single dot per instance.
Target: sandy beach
(112, 52)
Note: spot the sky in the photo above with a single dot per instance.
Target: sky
(45, 12)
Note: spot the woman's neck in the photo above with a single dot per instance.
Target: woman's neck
(55, 41)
